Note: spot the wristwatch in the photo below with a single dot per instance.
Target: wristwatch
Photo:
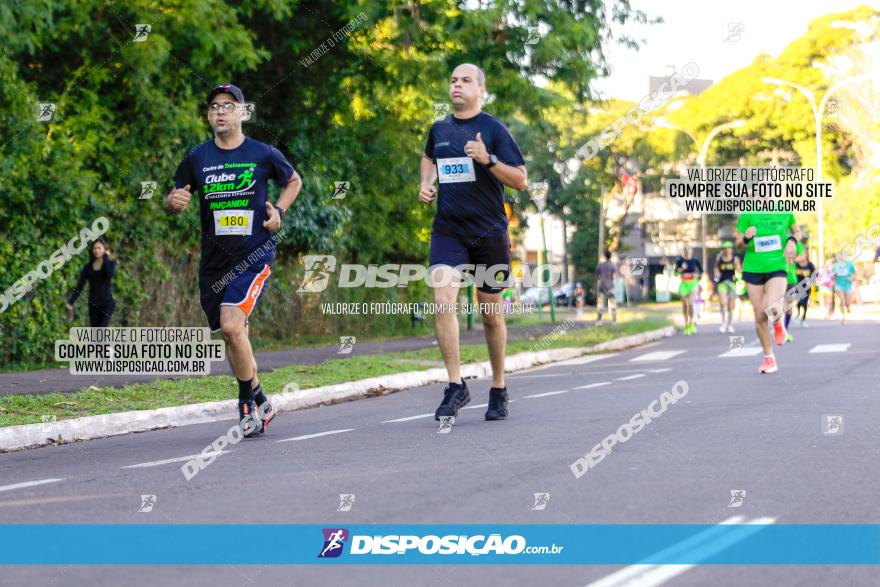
(492, 161)
(281, 212)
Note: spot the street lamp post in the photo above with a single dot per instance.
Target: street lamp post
(538, 191)
(818, 112)
(701, 161)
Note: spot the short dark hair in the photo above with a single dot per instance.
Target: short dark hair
(607, 255)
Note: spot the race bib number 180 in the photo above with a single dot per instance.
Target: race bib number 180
(765, 244)
(455, 170)
(233, 222)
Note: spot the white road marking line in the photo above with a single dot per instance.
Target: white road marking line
(584, 360)
(174, 460)
(660, 370)
(743, 352)
(830, 348)
(592, 385)
(542, 375)
(28, 484)
(656, 356)
(622, 577)
(546, 394)
(704, 545)
(475, 407)
(408, 418)
(308, 436)
(629, 377)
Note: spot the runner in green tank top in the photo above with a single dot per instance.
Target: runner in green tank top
(771, 241)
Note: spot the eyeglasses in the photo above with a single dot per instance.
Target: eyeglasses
(215, 107)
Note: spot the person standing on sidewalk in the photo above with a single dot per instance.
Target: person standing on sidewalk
(474, 157)
(98, 273)
(605, 273)
(579, 299)
(232, 172)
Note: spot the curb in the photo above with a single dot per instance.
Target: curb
(91, 427)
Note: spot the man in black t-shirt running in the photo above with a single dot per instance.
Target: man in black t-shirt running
(232, 172)
(473, 156)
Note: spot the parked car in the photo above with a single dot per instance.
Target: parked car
(535, 296)
(564, 296)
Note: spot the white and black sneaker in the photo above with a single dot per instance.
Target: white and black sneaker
(249, 420)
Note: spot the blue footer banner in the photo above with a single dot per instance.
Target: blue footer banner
(286, 544)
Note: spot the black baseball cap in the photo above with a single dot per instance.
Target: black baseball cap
(227, 88)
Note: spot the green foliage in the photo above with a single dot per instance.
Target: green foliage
(128, 111)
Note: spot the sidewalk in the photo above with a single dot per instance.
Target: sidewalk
(60, 380)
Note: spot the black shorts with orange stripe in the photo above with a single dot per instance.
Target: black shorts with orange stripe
(239, 288)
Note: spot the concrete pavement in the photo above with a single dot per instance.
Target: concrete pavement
(767, 435)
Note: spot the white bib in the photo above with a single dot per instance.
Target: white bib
(765, 244)
(233, 222)
(455, 170)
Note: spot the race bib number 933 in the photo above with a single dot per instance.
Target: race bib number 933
(455, 170)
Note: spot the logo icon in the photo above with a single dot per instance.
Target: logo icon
(441, 109)
(249, 112)
(46, 111)
(346, 501)
(318, 269)
(737, 496)
(735, 32)
(534, 36)
(832, 424)
(141, 32)
(147, 503)
(148, 188)
(638, 265)
(538, 192)
(340, 189)
(541, 501)
(446, 424)
(334, 540)
(832, 108)
(736, 343)
(346, 344)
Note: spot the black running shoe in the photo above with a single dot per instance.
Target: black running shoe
(248, 420)
(497, 409)
(455, 397)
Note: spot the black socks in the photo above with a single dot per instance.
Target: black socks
(245, 391)
(259, 396)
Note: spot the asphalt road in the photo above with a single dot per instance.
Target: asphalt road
(734, 430)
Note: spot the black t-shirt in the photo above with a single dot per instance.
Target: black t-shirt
(233, 186)
(691, 265)
(804, 271)
(471, 199)
(727, 269)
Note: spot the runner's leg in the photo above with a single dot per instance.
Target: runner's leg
(446, 319)
(495, 331)
(241, 356)
(762, 328)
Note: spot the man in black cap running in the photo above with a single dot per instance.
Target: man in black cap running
(232, 172)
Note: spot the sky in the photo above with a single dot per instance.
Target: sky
(700, 32)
